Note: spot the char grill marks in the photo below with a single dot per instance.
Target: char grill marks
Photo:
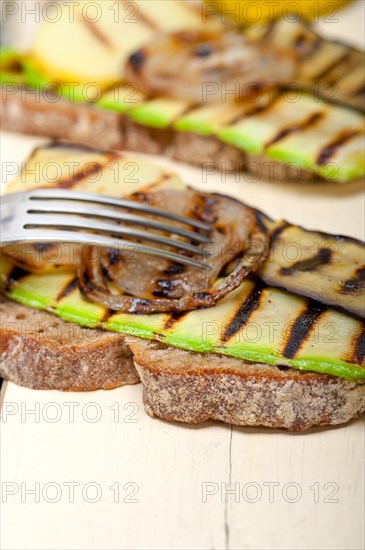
(244, 312)
(301, 328)
(96, 31)
(309, 122)
(70, 287)
(87, 171)
(135, 15)
(173, 319)
(356, 283)
(310, 264)
(290, 334)
(329, 150)
(334, 68)
(16, 274)
(359, 349)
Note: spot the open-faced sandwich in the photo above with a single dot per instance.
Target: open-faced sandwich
(256, 339)
(274, 99)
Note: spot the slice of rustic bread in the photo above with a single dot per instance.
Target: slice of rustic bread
(193, 387)
(40, 351)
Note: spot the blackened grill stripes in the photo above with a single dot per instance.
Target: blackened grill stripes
(299, 126)
(260, 220)
(174, 318)
(86, 171)
(301, 328)
(326, 70)
(16, 274)
(329, 150)
(94, 29)
(279, 229)
(108, 313)
(137, 15)
(66, 291)
(356, 283)
(359, 351)
(323, 257)
(244, 312)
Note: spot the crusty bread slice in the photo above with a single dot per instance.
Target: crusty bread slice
(40, 351)
(89, 125)
(193, 387)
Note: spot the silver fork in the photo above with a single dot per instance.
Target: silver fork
(56, 215)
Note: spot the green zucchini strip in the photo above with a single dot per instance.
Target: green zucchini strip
(255, 322)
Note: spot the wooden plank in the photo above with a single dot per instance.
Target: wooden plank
(305, 490)
(159, 465)
(301, 485)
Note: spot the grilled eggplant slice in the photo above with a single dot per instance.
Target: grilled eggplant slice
(328, 268)
(151, 285)
(329, 68)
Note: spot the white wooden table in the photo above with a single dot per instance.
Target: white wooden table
(93, 471)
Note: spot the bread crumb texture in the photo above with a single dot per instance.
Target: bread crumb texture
(40, 351)
(190, 387)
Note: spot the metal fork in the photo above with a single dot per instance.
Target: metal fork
(56, 215)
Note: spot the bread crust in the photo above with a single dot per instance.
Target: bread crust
(192, 387)
(30, 113)
(40, 351)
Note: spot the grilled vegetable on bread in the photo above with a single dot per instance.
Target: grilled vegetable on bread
(41, 351)
(316, 265)
(260, 356)
(295, 135)
(254, 322)
(316, 139)
(193, 387)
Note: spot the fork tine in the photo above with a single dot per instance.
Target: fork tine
(53, 194)
(66, 207)
(49, 236)
(59, 221)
